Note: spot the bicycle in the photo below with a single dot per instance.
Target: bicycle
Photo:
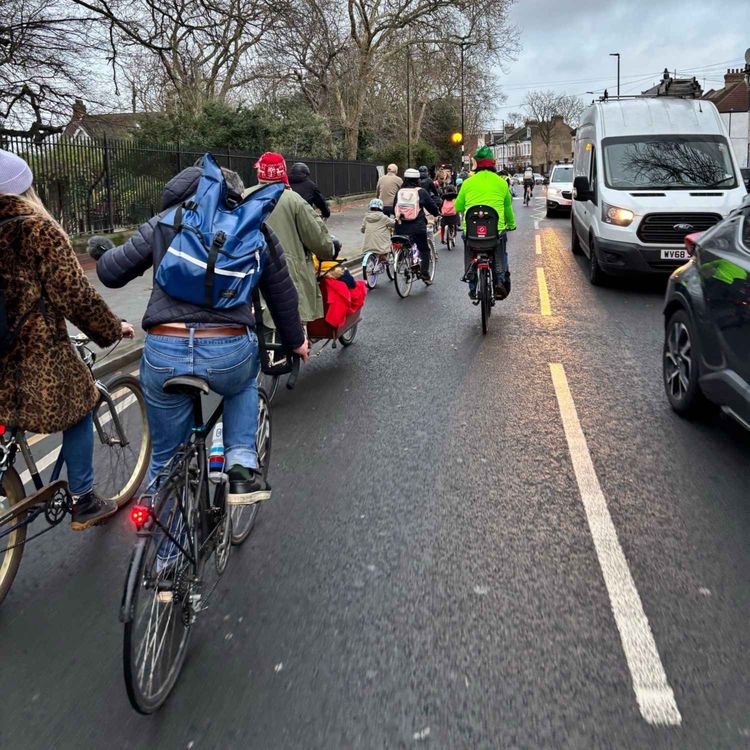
(180, 527)
(374, 265)
(527, 193)
(450, 236)
(483, 241)
(406, 264)
(121, 451)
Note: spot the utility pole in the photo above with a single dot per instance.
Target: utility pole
(408, 107)
(463, 134)
(617, 55)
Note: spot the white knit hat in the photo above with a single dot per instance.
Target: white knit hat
(15, 175)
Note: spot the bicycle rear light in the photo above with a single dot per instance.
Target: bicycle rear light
(2, 429)
(139, 515)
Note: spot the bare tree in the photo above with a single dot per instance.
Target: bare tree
(42, 65)
(344, 49)
(570, 108)
(549, 109)
(203, 48)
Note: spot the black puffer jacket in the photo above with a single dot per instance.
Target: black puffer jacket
(299, 179)
(147, 247)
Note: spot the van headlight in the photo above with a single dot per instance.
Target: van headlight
(621, 217)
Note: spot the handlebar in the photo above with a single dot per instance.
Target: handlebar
(287, 352)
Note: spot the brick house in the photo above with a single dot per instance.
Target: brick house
(85, 127)
(733, 103)
(560, 146)
(512, 147)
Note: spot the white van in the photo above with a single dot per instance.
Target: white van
(649, 171)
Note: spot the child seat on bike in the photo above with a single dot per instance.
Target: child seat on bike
(482, 235)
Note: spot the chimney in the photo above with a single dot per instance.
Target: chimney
(79, 110)
(733, 76)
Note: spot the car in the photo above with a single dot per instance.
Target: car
(517, 178)
(538, 178)
(648, 172)
(706, 355)
(560, 189)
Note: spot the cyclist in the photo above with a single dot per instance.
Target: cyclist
(301, 233)
(409, 209)
(528, 185)
(44, 385)
(448, 215)
(387, 187)
(219, 346)
(426, 182)
(487, 188)
(302, 184)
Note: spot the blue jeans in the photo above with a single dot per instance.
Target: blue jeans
(499, 269)
(78, 454)
(229, 364)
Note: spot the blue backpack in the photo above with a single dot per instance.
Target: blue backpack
(215, 258)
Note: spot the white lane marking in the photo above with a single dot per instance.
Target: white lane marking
(653, 693)
(536, 225)
(47, 461)
(538, 243)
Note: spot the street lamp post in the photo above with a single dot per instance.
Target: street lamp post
(463, 135)
(408, 108)
(617, 55)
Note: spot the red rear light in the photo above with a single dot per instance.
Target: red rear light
(690, 242)
(139, 514)
(2, 429)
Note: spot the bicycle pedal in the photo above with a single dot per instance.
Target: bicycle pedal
(165, 597)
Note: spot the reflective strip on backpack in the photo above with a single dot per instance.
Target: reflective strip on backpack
(217, 271)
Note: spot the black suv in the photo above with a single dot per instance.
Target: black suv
(706, 360)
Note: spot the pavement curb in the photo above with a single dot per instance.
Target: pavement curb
(119, 360)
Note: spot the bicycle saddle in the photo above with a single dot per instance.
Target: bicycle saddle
(186, 384)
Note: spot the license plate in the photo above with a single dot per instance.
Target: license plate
(679, 254)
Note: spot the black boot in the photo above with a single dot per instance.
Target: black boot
(90, 509)
(247, 486)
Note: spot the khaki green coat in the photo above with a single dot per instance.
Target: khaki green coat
(298, 227)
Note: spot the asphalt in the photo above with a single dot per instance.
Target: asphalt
(425, 575)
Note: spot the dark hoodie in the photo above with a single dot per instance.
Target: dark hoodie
(300, 182)
(147, 247)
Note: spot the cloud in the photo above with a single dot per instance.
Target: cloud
(566, 45)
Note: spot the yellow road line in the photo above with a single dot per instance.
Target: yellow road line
(538, 241)
(543, 292)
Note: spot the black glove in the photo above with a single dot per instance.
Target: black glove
(97, 246)
(336, 246)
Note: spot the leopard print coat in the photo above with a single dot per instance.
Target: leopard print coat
(44, 385)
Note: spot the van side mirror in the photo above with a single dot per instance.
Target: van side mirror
(581, 189)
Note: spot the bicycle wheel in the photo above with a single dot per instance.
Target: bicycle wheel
(270, 384)
(11, 493)
(403, 277)
(121, 466)
(433, 262)
(450, 240)
(347, 339)
(389, 266)
(244, 516)
(158, 604)
(370, 272)
(485, 297)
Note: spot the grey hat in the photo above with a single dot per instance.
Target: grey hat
(15, 175)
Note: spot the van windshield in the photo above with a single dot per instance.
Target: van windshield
(562, 174)
(673, 162)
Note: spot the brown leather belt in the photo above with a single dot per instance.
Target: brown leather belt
(200, 333)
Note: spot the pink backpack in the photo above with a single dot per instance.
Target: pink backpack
(449, 207)
(407, 204)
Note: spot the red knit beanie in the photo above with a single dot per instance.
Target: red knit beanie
(272, 168)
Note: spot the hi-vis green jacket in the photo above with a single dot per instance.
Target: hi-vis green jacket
(487, 188)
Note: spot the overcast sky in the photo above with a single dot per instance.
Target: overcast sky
(566, 44)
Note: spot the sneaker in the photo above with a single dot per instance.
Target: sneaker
(247, 486)
(472, 293)
(90, 509)
(507, 283)
(500, 291)
(427, 280)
